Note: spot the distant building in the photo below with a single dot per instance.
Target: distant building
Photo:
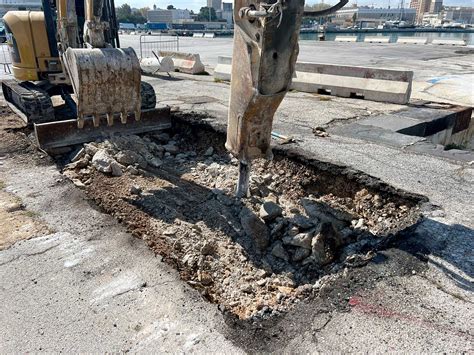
(160, 16)
(12, 5)
(435, 20)
(436, 6)
(365, 16)
(421, 7)
(227, 13)
(215, 4)
(459, 14)
(167, 16)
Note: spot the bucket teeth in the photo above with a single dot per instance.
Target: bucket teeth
(137, 115)
(96, 120)
(123, 117)
(110, 119)
(80, 122)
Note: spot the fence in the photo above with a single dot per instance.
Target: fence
(5, 59)
(157, 42)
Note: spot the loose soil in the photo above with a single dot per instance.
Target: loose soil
(181, 204)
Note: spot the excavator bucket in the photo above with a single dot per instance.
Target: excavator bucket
(106, 82)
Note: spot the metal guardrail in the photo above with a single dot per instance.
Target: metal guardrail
(155, 43)
(5, 58)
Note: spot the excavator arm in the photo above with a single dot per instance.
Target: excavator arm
(106, 80)
(264, 56)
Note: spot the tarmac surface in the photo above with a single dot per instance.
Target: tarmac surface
(440, 72)
(89, 286)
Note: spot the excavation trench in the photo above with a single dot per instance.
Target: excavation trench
(258, 256)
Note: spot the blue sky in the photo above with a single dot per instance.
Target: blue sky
(197, 4)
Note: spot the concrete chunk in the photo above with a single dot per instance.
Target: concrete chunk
(188, 63)
(412, 40)
(345, 39)
(377, 39)
(449, 42)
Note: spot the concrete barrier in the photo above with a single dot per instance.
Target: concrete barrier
(153, 65)
(449, 42)
(339, 80)
(412, 40)
(209, 35)
(198, 34)
(377, 39)
(345, 39)
(358, 82)
(185, 62)
(223, 68)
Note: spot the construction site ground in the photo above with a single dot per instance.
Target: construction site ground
(93, 262)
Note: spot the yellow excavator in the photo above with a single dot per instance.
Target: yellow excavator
(71, 50)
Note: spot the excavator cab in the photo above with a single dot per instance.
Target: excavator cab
(71, 49)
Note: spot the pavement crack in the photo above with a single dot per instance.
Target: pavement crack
(29, 254)
(317, 330)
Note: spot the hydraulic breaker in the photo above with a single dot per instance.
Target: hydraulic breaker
(263, 61)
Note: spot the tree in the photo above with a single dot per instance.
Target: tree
(123, 12)
(126, 15)
(170, 7)
(204, 14)
(144, 11)
(317, 7)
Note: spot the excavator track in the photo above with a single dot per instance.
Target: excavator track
(33, 104)
(148, 96)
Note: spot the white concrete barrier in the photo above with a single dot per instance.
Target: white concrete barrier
(449, 42)
(412, 40)
(345, 39)
(358, 82)
(339, 80)
(223, 68)
(198, 34)
(377, 39)
(153, 65)
(209, 35)
(185, 62)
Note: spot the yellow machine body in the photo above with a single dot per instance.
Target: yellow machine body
(28, 41)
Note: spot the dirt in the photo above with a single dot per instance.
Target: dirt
(16, 223)
(184, 209)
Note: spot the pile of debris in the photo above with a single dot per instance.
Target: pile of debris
(255, 256)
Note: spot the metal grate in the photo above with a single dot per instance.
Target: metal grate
(155, 43)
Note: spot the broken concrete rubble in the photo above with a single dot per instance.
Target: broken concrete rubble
(242, 252)
(269, 211)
